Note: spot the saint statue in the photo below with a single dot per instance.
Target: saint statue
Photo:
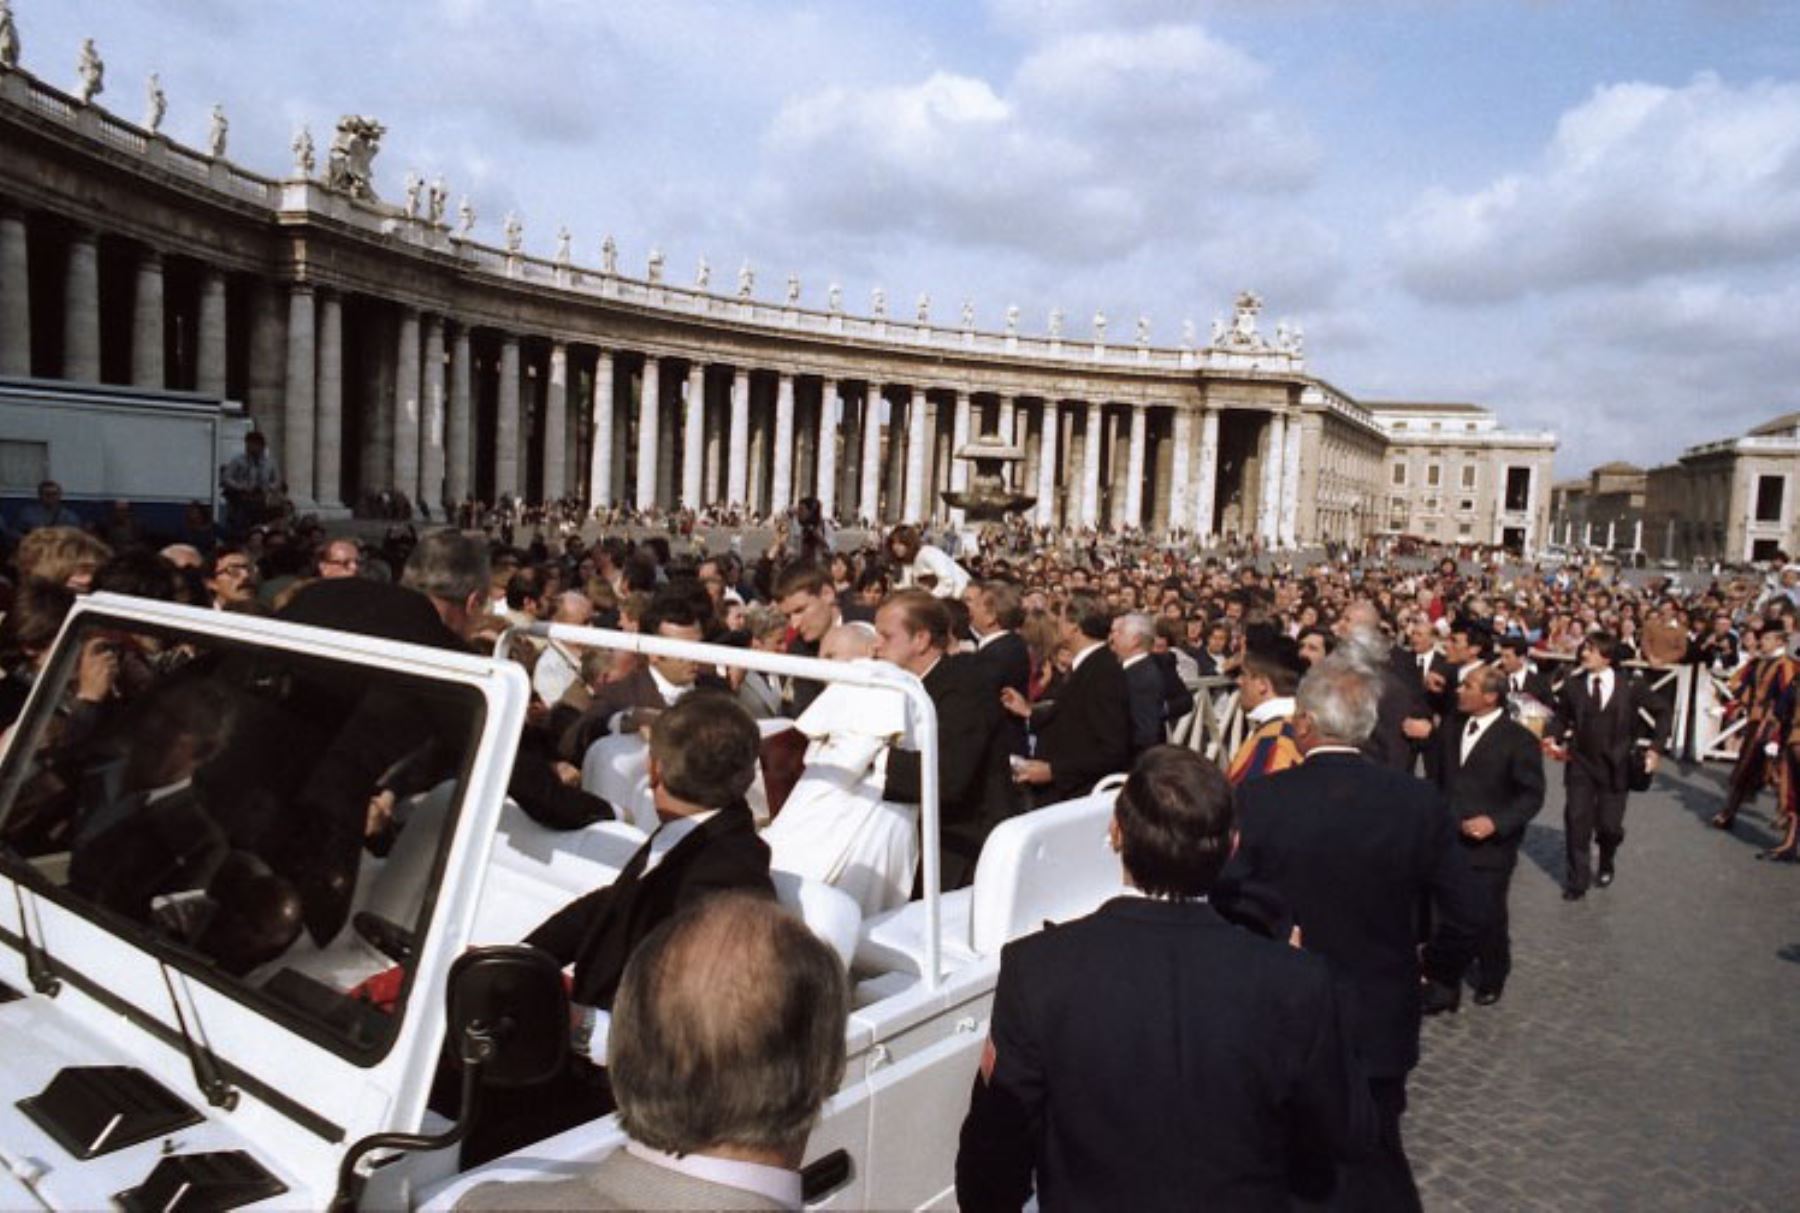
(746, 281)
(703, 275)
(9, 37)
(563, 241)
(1218, 330)
(1012, 320)
(968, 314)
(304, 159)
(465, 217)
(878, 301)
(415, 187)
(156, 104)
(609, 256)
(1099, 327)
(92, 73)
(1056, 322)
(653, 269)
(793, 290)
(834, 297)
(216, 133)
(514, 232)
(1143, 330)
(924, 311)
(437, 197)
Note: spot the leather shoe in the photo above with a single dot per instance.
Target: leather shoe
(1603, 876)
(1435, 999)
(1488, 997)
(1574, 894)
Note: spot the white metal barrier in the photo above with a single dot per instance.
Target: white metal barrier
(1215, 728)
(1674, 682)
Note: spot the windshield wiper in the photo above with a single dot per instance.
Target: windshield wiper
(207, 1074)
(38, 968)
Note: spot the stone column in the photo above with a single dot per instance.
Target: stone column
(737, 462)
(1206, 480)
(712, 488)
(147, 323)
(432, 438)
(959, 438)
(300, 397)
(649, 415)
(406, 406)
(668, 428)
(15, 296)
(937, 463)
(1007, 428)
(328, 434)
(1134, 466)
(1090, 466)
(506, 421)
(1268, 518)
(556, 422)
(1046, 485)
(915, 509)
(1183, 438)
(600, 459)
(209, 370)
(826, 491)
(693, 437)
(869, 503)
(781, 496)
(1290, 483)
(81, 310)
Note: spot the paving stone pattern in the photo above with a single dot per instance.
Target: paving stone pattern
(1646, 1055)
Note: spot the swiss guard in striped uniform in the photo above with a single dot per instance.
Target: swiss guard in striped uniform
(1767, 687)
(1267, 680)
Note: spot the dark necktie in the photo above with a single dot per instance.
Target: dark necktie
(1594, 687)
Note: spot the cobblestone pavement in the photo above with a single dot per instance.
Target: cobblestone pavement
(1646, 1054)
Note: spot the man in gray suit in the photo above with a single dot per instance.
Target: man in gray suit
(727, 1037)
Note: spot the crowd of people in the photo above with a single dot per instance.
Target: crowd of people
(1359, 838)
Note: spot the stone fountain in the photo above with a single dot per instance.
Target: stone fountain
(988, 499)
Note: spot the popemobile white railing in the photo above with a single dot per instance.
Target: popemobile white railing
(922, 718)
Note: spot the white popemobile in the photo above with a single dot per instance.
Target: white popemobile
(155, 1059)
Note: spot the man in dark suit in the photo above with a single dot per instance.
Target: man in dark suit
(1152, 1055)
(1522, 675)
(1602, 714)
(1085, 732)
(1423, 673)
(1131, 639)
(703, 756)
(806, 594)
(975, 791)
(995, 616)
(1491, 770)
(633, 702)
(1355, 848)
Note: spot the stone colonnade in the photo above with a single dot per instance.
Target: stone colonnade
(360, 394)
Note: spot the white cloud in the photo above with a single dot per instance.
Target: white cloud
(1639, 180)
(1100, 143)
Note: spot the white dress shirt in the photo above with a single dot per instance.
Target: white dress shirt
(1606, 685)
(778, 1184)
(1472, 732)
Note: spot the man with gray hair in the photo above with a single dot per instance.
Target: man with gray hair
(1354, 849)
(727, 1038)
(1131, 639)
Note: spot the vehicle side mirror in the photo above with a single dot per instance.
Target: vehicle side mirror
(509, 1014)
(509, 1024)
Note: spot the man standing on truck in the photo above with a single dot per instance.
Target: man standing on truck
(252, 484)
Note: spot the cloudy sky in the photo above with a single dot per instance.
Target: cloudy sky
(1585, 215)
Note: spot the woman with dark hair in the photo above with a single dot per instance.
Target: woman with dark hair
(917, 563)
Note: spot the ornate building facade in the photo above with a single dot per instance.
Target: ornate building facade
(380, 346)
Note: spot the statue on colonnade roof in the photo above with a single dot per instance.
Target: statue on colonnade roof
(156, 104)
(216, 132)
(9, 37)
(304, 160)
(91, 72)
(350, 165)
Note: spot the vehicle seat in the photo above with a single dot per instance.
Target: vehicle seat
(1049, 864)
(829, 913)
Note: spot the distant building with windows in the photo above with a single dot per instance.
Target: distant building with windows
(1454, 475)
(1604, 509)
(1733, 499)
